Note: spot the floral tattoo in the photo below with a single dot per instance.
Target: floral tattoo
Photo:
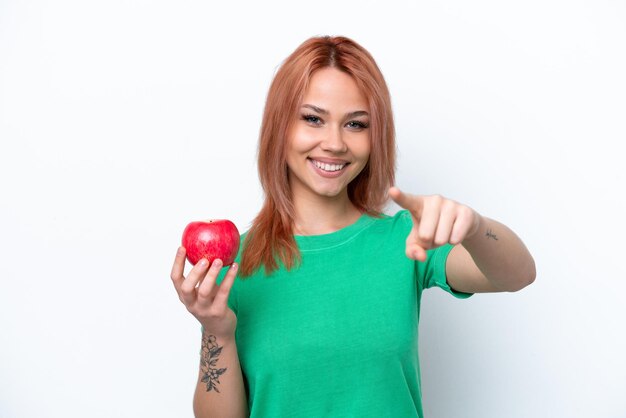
(208, 361)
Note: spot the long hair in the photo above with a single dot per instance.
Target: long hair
(270, 238)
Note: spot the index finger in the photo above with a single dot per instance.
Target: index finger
(406, 201)
(178, 268)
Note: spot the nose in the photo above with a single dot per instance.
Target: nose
(333, 141)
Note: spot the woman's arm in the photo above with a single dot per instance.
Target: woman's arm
(487, 257)
(493, 259)
(220, 391)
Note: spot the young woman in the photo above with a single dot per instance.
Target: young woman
(322, 320)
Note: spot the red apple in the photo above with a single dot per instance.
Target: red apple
(211, 239)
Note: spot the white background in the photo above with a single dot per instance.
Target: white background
(122, 121)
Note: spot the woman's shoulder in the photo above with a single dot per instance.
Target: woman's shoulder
(402, 216)
(398, 223)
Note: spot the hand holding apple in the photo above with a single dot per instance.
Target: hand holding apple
(211, 239)
(203, 297)
(209, 245)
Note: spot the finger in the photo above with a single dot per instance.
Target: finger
(429, 221)
(416, 252)
(178, 268)
(207, 287)
(406, 201)
(446, 223)
(188, 288)
(221, 298)
(462, 225)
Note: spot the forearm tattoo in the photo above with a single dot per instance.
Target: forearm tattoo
(208, 362)
(490, 234)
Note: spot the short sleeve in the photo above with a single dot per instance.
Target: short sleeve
(432, 272)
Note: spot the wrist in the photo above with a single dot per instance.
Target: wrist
(223, 339)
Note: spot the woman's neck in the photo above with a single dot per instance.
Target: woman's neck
(316, 215)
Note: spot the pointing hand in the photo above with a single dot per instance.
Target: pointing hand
(436, 222)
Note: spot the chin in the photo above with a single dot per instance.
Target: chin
(326, 192)
(330, 194)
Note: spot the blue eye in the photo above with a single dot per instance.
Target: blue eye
(312, 119)
(357, 124)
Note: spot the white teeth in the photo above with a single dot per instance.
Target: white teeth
(328, 167)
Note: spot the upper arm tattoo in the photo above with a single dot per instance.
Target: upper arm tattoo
(490, 234)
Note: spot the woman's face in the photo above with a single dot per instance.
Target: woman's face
(329, 143)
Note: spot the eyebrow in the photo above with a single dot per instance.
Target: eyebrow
(325, 112)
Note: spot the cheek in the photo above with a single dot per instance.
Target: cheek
(362, 149)
(301, 140)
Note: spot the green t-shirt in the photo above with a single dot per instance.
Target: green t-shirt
(337, 337)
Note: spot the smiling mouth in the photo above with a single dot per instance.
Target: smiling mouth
(330, 168)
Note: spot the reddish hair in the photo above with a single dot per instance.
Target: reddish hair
(270, 238)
